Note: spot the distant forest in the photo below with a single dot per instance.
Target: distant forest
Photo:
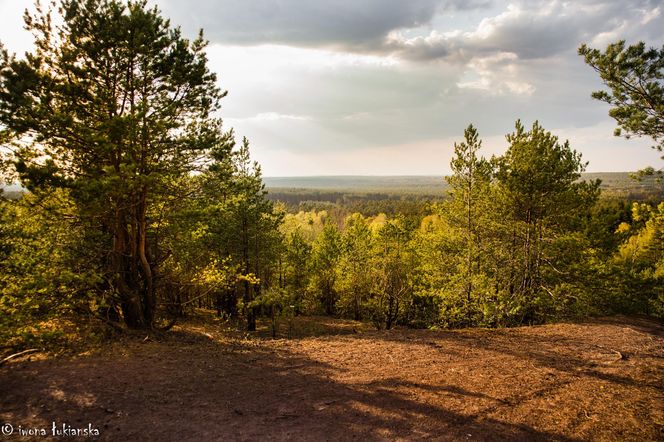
(612, 182)
(371, 195)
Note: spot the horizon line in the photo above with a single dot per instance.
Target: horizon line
(397, 175)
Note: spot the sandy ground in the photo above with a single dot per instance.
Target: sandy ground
(597, 380)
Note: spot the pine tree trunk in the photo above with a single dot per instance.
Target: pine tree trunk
(133, 273)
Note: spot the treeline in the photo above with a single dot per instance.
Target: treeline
(341, 204)
(213, 241)
(294, 196)
(390, 205)
(369, 196)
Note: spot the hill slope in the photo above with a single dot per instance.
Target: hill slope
(598, 380)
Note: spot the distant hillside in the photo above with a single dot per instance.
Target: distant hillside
(383, 184)
(622, 182)
(334, 188)
(612, 182)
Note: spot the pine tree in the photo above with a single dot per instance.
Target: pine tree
(355, 276)
(394, 262)
(113, 104)
(470, 186)
(541, 201)
(635, 77)
(326, 254)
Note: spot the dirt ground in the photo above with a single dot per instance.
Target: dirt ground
(597, 380)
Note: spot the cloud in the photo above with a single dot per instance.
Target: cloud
(596, 143)
(496, 74)
(493, 54)
(362, 26)
(528, 28)
(274, 116)
(12, 35)
(386, 86)
(533, 30)
(304, 22)
(315, 83)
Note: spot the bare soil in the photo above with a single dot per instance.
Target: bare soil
(337, 380)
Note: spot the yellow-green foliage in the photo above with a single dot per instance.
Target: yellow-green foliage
(45, 272)
(310, 224)
(642, 255)
(645, 248)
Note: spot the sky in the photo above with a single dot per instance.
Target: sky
(385, 87)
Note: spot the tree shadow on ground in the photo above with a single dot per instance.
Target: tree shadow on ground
(189, 388)
(639, 323)
(581, 355)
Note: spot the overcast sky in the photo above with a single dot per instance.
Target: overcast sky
(385, 87)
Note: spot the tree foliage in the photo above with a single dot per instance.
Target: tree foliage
(44, 271)
(635, 78)
(542, 204)
(140, 205)
(466, 210)
(642, 257)
(114, 105)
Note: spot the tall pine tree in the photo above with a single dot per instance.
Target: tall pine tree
(113, 104)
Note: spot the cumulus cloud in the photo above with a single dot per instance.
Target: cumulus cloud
(496, 74)
(528, 28)
(532, 30)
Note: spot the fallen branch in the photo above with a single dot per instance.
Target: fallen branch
(621, 356)
(20, 353)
